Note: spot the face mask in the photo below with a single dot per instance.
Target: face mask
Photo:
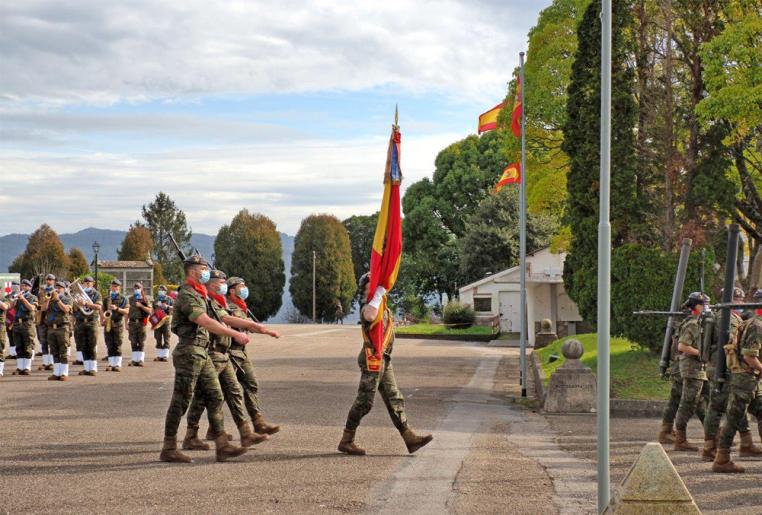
(48, 288)
(88, 289)
(223, 289)
(114, 295)
(161, 295)
(244, 293)
(137, 294)
(205, 275)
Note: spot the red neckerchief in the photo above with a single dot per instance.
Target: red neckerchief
(200, 288)
(238, 301)
(759, 312)
(220, 299)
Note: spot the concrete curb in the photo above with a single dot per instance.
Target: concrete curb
(484, 338)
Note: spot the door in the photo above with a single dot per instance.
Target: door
(509, 311)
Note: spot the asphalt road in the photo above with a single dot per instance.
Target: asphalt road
(91, 445)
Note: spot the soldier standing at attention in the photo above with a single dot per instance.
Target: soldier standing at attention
(162, 334)
(745, 368)
(383, 381)
(218, 352)
(86, 327)
(115, 308)
(4, 306)
(237, 294)
(59, 331)
(140, 310)
(193, 366)
(25, 304)
(42, 327)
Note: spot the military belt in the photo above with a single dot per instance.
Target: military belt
(58, 326)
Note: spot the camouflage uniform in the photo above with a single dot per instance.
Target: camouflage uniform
(42, 332)
(136, 328)
(86, 329)
(23, 328)
(219, 348)
(114, 337)
(692, 371)
(59, 333)
(244, 369)
(3, 333)
(192, 363)
(162, 334)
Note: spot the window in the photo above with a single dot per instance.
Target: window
(483, 304)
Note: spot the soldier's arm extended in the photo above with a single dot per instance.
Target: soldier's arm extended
(219, 329)
(754, 363)
(249, 325)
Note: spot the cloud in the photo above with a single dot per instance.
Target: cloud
(90, 51)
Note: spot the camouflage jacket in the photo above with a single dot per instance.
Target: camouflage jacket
(751, 340)
(691, 367)
(189, 305)
(220, 343)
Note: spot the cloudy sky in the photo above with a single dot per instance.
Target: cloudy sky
(282, 107)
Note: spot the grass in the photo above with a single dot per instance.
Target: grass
(440, 329)
(634, 371)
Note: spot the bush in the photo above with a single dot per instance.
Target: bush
(459, 315)
(413, 307)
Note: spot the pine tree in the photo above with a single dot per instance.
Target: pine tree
(137, 244)
(77, 263)
(162, 217)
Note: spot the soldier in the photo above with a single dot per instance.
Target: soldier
(237, 294)
(115, 308)
(4, 306)
(140, 310)
(745, 368)
(718, 395)
(383, 381)
(23, 328)
(42, 327)
(161, 335)
(193, 366)
(9, 318)
(218, 351)
(86, 327)
(59, 331)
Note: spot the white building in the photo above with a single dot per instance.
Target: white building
(498, 295)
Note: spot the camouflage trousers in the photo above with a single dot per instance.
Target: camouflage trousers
(718, 401)
(743, 398)
(42, 337)
(161, 335)
(675, 393)
(244, 372)
(86, 337)
(194, 372)
(3, 343)
(386, 384)
(231, 390)
(690, 403)
(58, 342)
(23, 337)
(137, 333)
(114, 339)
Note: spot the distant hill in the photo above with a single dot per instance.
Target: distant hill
(12, 245)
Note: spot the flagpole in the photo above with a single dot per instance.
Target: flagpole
(523, 234)
(604, 263)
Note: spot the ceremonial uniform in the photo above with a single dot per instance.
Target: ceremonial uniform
(3, 333)
(59, 334)
(162, 334)
(136, 328)
(113, 330)
(23, 332)
(86, 333)
(42, 328)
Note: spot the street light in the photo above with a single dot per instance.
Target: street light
(96, 248)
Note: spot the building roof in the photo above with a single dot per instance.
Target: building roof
(531, 276)
(124, 264)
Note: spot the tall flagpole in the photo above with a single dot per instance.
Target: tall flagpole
(523, 236)
(604, 263)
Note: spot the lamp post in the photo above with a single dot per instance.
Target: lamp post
(314, 318)
(96, 248)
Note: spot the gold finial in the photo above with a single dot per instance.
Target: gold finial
(396, 115)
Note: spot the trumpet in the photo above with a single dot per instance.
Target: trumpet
(107, 320)
(80, 297)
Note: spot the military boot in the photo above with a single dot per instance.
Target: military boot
(723, 465)
(225, 449)
(211, 436)
(682, 444)
(262, 427)
(347, 444)
(665, 435)
(709, 451)
(413, 442)
(248, 436)
(192, 442)
(170, 454)
(747, 448)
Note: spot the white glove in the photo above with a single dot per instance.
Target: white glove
(377, 297)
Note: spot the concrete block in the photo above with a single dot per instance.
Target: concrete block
(572, 387)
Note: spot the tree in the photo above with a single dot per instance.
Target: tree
(327, 237)
(77, 263)
(137, 244)
(361, 229)
(163, 218)
(250, 247)
(44, 254)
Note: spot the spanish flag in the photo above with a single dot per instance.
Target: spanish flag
(386, 254)
(488, 120)
(511, 175)
(517, 111)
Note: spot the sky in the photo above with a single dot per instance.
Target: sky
(280, 107)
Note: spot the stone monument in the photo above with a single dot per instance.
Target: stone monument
(546, 336)
(572, 386)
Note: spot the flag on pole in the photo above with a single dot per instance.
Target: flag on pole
(488, 119)
(517, 111)
(386, 254)
(511, 175)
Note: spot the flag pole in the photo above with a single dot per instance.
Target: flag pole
(523, 235)
(604, 263)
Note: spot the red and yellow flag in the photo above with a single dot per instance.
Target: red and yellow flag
(488, 120)
(517, 110)
(511, 175)
(386, 254)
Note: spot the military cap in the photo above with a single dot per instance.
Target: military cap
(162, 287)
(757, 294)
(217, 274)
(88, 279)
(138, 285)
(67, 283)
(738, 293)
(27, 282)
(62, 284)
(116, 282)
(50, 277)
(195, 259)
(235, 281)
(14, 283)
(696, 298)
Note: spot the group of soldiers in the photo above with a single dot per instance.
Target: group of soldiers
(695, 389)
(54, 314)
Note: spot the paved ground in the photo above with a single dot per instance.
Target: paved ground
(91, 444)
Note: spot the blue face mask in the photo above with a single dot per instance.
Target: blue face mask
(88, 289)
(161, 295)
(205, 275)
(244, 293)
(138, 295)
(114, 295)
(223, 289)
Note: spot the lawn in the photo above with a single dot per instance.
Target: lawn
(440, 329)
(634, 372)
